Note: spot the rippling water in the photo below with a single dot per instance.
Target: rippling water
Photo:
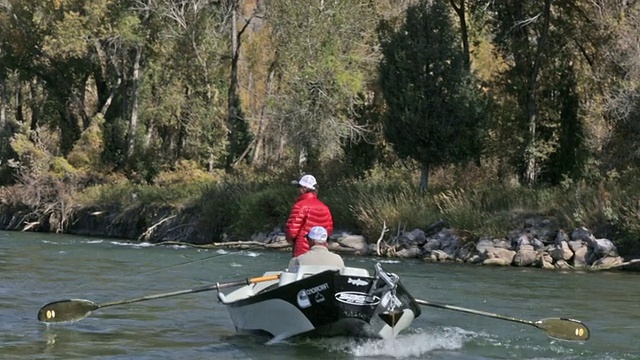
(39, 268)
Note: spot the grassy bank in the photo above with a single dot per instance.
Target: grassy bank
(243, 204)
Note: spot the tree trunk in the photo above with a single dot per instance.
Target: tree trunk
(424, 179)
(19, 103)
(303, 156)
(35, 106)
(149, 136)
(3, 103)
(232, 96)
(532, 170)
(464, 31)
(182, 129)
(133, 123)
(264, 120)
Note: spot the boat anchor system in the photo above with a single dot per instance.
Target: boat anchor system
(388, 287)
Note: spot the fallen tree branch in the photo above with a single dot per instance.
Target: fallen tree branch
(30, 225)
(229, 244)
(147, 234)
(630, 262)
(384, 230)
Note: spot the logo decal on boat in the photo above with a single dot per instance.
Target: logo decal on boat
(303, 295)
(303, 300)
(316, 289)
(357, 298)
(357, 282)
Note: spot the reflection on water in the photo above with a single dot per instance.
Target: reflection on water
(40, 268)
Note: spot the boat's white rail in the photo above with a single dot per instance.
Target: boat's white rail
(248, 290)
(304, 271)
(354, 271)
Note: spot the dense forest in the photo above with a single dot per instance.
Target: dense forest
(494, 106)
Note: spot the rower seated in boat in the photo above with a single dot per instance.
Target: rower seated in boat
(319, 254)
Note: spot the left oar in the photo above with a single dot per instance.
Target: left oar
(559, 328)
(77, 309)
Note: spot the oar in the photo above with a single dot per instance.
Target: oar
(559, 328)
(76, 309)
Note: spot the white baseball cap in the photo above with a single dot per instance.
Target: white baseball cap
(318, 234)
(308, 181)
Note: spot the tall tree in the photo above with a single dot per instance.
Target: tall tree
(434, 112)
(621, 72)
(187, 68)
(323, 61)
(551, 50)
(238, 138)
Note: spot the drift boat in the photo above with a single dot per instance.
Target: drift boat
(318, 300)
(323, 301)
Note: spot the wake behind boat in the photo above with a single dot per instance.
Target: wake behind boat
(323, 301)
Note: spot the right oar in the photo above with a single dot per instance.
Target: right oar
(76, 309)
(559, 328)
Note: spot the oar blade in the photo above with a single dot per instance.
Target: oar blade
(565, 329)
(66, 310)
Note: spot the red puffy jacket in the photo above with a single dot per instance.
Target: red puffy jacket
(307, 212)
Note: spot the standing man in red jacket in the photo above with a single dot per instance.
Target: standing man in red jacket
(307, 212)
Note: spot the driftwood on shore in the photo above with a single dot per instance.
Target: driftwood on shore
(626, 264)
(229, 245)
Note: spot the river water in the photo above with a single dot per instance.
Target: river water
(39, 268)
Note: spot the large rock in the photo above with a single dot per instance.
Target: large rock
(561, 237)
(583, 234)
(356, 242)
(439, 255)
(580, 258)
(526, 256)
(502, 243)
(604, 247)
(544, 260)
(466, 252)
(483, 245)
(449, 241)
(496, 262)
(412, 238)
(561, 264)
(431, 245)
(409, 253)
(574, 245)
(561, 251)
(499, 256)
(537, 244)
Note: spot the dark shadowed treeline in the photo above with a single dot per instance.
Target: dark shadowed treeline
(529, 94)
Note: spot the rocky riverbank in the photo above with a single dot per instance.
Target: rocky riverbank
(536, 242)
(539, 242)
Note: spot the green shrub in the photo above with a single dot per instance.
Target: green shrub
(217, 206)
(400, 209)
(186, 172)
(262, 210)
(127, 194)
(87, 150)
